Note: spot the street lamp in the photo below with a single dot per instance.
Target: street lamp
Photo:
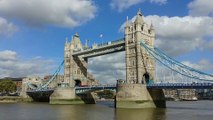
(101, 35)
(87, 43)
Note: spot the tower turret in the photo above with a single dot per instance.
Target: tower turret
(139, 18)
(127, 26)
(76, 43)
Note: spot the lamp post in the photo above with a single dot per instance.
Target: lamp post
(101, 35)
(87, 43)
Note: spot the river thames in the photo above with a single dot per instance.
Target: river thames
(185, 110)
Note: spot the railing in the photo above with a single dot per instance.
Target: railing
(180, 86)
(100, 45)
(80, 90)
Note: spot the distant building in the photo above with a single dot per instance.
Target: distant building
(59, 79)
(180, 94)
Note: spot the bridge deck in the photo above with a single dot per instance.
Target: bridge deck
(152, 86)
(43, 93)
(101, 49)
(181, 86)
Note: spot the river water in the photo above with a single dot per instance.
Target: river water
(196, 110)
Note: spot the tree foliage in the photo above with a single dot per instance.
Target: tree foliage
(7, 86)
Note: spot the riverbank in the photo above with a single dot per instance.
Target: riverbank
(13, 99)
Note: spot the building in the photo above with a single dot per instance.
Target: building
(58, 80)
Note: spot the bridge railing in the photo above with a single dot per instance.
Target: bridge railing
(80, 90)
(100, 45)
(181, 85)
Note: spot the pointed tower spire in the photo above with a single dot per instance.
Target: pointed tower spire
(76, 34)
(139, 18)
(139, 12)
(127, 21)
(151, 26)
(66, 40)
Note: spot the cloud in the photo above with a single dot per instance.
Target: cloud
(69, 13)
(108, 68)
(201, 8)
(208, 44)
(202, 65)
(7, 55)
(121, 5)
(164, 74)
(160, 2)
(179, 35)
(6, 28)
(11, 66)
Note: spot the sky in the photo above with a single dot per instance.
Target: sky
(33, 33)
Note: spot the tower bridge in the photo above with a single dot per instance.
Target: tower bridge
(141, 88)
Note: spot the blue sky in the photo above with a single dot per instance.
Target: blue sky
(33, 32)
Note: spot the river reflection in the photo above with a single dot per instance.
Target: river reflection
(199, 110)
(140, 114)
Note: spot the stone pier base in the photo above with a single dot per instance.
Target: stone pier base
(68, 96)
(138, 96)
(65, 96)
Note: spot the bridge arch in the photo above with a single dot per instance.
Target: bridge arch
(146, 78)
(77, 82)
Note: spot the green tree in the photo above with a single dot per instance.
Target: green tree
(7, 86)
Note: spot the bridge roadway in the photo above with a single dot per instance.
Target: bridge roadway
(80, 90)
(101, 49)
(43, 94)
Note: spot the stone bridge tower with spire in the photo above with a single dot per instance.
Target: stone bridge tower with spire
(75, 74)
(140, 68)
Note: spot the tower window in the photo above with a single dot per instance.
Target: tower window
(133, 62)
(142, 27)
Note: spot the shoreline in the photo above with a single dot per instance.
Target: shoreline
(13, 99)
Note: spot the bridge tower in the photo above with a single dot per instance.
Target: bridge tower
(75, 68)
(140, 68)
(75, 74)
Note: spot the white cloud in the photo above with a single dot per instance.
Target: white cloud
(7, 55)
(179, 35)
(108, 68)
(11, 66)
(69, 13)
(161, 2)
(121, 5)
(6, 28)
(202, 65)
(164, 74)
(201, 8)
(208, 44)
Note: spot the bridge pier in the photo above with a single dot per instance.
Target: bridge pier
(64, 96)
(138, 96)
(67, 95)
